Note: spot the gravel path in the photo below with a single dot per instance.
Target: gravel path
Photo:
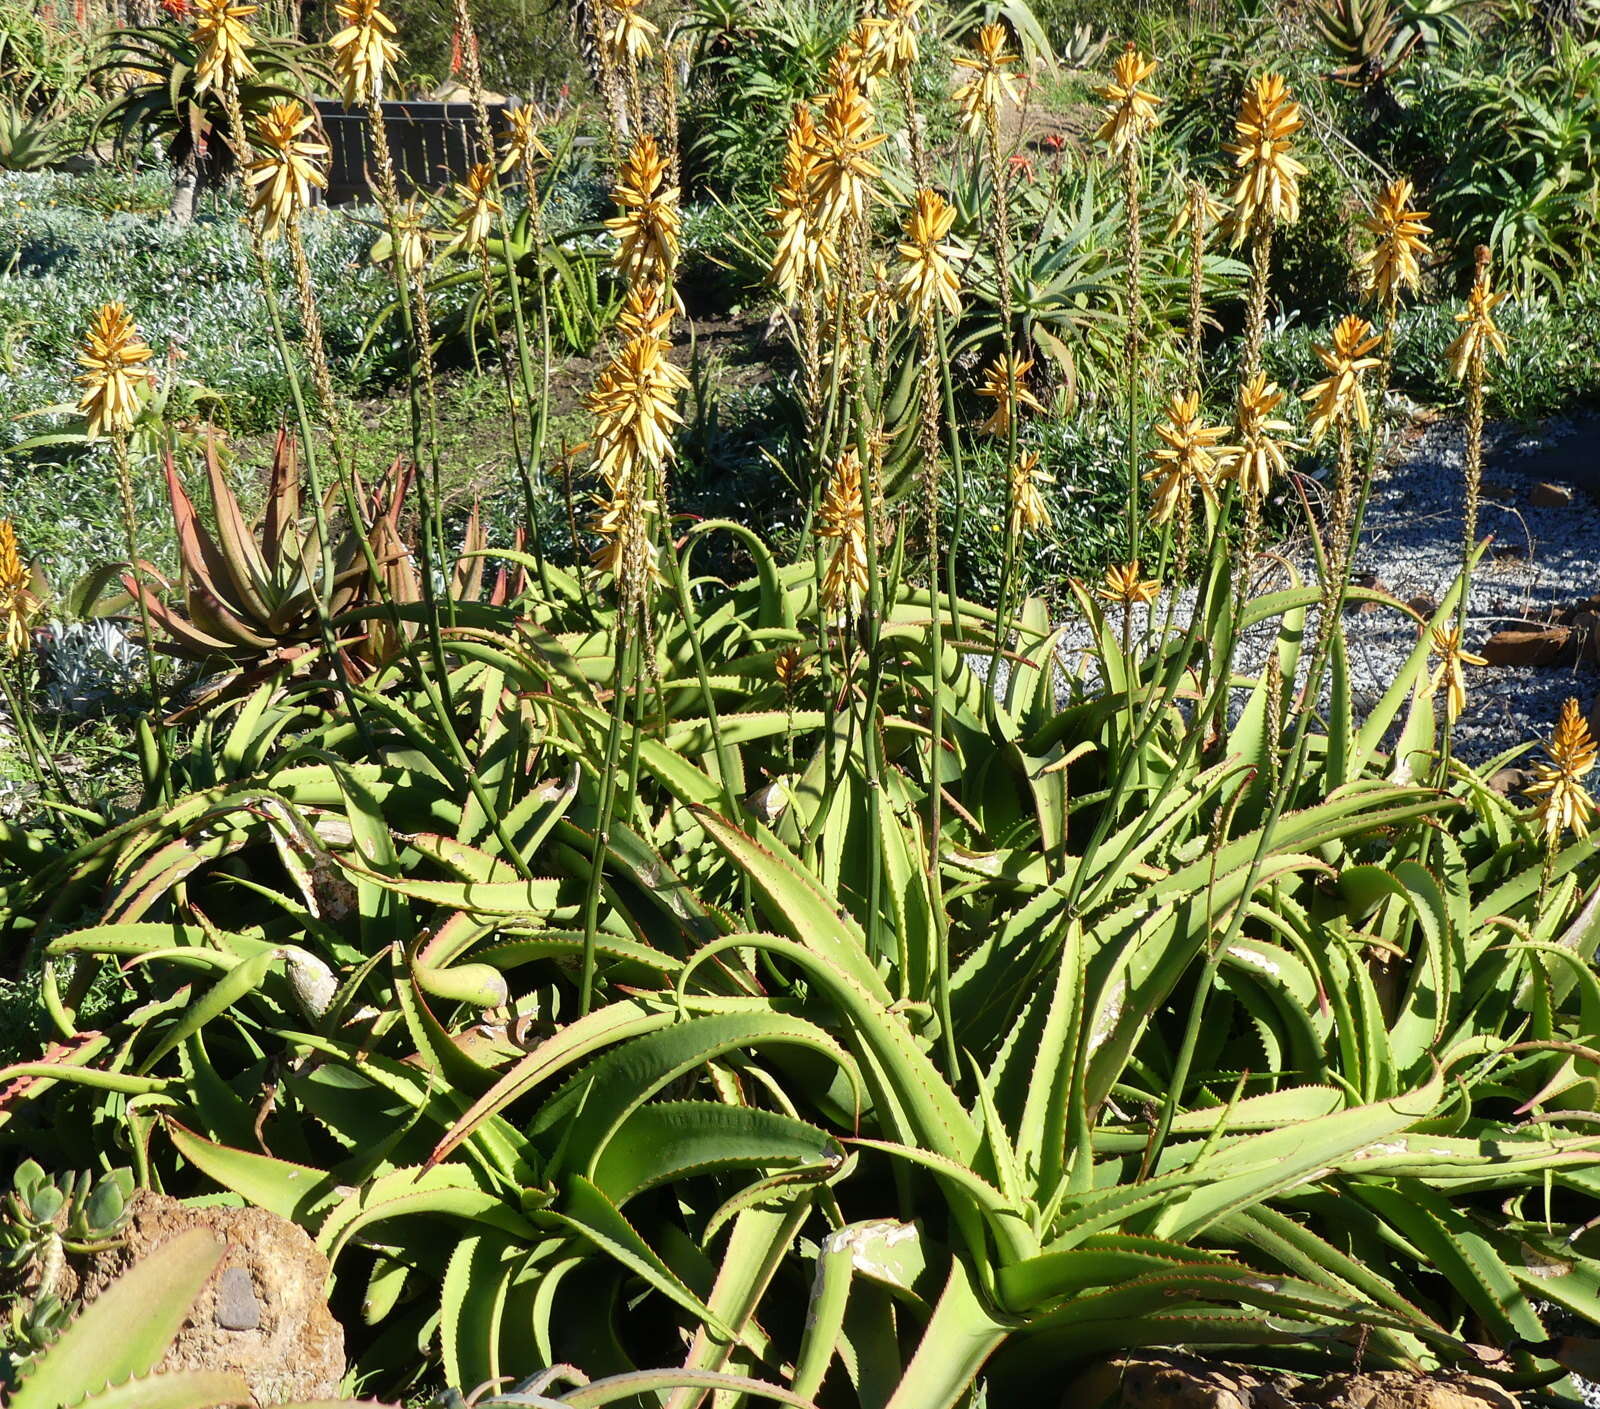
(1541, 558)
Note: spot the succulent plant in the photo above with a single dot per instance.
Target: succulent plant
(250, 594)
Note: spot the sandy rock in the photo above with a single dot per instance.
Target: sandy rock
(1537, 646)
(1545, 495)
(1169, 1380)
(1395, 1389)
(262, 1314)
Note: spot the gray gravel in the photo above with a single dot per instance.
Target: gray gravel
(1541, 558)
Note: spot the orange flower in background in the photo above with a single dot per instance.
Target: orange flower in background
(17, 602)
(1480, 336)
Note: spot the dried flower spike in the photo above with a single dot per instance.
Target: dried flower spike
(1341, 393)
(114, 359)
(1005, 383)
(1564, 802)
(1268, 184)
(17, 602)
(362, 51)
(222, 39)
(1130, 109)
(1449, 675)
(283, 175)
(927, 279)
(1394, 263)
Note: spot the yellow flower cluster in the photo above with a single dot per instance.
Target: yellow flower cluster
(1189, 459)
(927, 278)
(115, 362)
(362, 51)
(1005, 383)
(17, 602)
(647, 226)
(842, 519)
(282, 177)
(992, 82)
(222, 39)
(1564, 802)
(1130, 108)
(1340, 393)
(1268, 182)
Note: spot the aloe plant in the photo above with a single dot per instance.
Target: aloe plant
(253, 594)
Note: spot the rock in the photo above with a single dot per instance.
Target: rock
(237, 1307)
(1508, 782)
(1423, 604)
(262, 1315)
(1169, 1380)
(1516, 551)
(1372, 583)
(1165, 1380)
(1395, 1389)
(1547, 646)
(1546, 495)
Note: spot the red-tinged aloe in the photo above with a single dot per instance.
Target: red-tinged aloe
(251, 591)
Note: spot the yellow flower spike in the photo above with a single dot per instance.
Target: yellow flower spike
(899, 35)
(790, 667)
(1029, 511)
(1190, 457)
(1258, 456)
(992, 81)
(1564, 802)
(842, 518)
(648, 225)
(114, 358)
(1268, 184)
(634, 404)
(17, 602)
(1124, 586)
(927, 280)
(843, 176)
(1130, 109)
(1480, 336)
(415, 239)
(804, 250)
(627, 33)
(222, 38)
(521, 144)
(1449, 676)
(1005, 383)
(281, 178)
(363, 51)
(1394, 263)
(1341, 393)
(474, 218)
